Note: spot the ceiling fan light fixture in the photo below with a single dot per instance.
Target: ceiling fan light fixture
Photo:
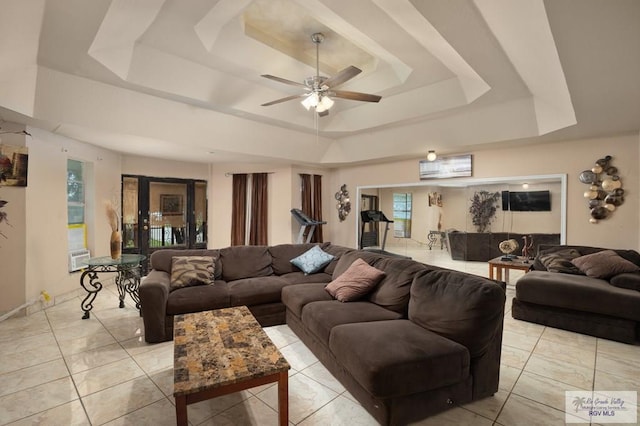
(326, 102)
(431, 155)
(310, 101)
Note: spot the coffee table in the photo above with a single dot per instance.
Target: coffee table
(500, 265)
(224, 351)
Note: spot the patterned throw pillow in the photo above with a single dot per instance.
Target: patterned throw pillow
(312, 260)
(604, 264)
(359, 279)
(191, 270)
(560, 261)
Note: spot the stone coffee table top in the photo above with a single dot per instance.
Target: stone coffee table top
(221, 347)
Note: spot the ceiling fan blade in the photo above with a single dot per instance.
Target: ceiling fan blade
(283, 80)
(355, 96)
(323, 113)
(288, 98)
(344, 75)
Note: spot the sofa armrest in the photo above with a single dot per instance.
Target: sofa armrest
(154, 292)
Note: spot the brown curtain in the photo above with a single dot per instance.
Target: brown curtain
(305, 192)
(259, 207)
(239, 210)
(317, 208)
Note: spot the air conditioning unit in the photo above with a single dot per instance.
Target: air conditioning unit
(77, 258)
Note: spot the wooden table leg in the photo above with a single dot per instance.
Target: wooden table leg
(490, 271)
(283, 398)
(181, 411)
(499, 273)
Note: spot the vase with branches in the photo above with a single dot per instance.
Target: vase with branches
(483, 209)
(116, 237)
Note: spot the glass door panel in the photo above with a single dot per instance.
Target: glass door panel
(200, 213)
(167, 214)
(130, 213)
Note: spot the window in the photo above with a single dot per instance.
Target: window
(75, 192)
(76, 207)
(402, 215)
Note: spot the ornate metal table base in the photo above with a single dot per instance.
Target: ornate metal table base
(127, 270)
(433, 237)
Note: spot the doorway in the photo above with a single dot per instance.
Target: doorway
(159, 213)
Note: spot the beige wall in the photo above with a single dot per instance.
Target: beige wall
(34, 258)
(45, 214)
(571, 157)
(13, 247)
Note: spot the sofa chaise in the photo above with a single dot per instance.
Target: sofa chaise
(421, 340)
(602, 299)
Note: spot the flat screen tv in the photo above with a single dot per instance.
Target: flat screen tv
(529, 201)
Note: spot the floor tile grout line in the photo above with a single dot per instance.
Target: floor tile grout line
(75, 387)
(519, 375)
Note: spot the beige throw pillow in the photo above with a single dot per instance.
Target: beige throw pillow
(604, 264)
(191, 270)
(359, 279)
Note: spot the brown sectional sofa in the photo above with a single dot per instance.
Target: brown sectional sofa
(423, 340)
(580, 303)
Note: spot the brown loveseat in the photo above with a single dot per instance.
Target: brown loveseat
(566, 299)
(423, 340)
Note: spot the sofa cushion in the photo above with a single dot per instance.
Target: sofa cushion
(188, 271)
(465, 308)
(337, 252)
(302, 278)
(160, 260)
(604, 264)
(578, 292)
(347, 259)
(313, 260)
(359, 279)
(321, 317)
(630, 280)
(245, 262)
(255, 291)
(282, 254)
(395, 358)
(295, 297)
(198, 298)
(560, 261)
(393, 290)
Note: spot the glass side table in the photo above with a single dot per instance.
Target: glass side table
(127, 269)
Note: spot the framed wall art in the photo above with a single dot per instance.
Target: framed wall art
(171, 204)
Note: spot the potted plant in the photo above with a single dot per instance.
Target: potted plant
(483, 209)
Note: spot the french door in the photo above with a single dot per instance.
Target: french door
(162, 213)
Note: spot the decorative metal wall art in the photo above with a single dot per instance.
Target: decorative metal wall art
(605, 191)
(344, 203)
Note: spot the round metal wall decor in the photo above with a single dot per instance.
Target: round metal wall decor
(605, 191)
(344, 203)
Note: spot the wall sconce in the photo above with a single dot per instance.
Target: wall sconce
(344, 203)
(431, 155)
(525, 186)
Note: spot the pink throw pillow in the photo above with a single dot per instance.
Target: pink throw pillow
(359, 279)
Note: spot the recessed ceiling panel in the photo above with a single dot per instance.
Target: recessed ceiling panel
(286, 26)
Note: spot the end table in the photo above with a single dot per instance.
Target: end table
(127, 269)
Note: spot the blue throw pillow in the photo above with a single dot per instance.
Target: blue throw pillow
(312, 260)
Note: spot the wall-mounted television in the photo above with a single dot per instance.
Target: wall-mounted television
(526, 201)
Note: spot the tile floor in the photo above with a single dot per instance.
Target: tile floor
(60, 370)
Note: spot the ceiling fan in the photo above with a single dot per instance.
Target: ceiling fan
(320, 89)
